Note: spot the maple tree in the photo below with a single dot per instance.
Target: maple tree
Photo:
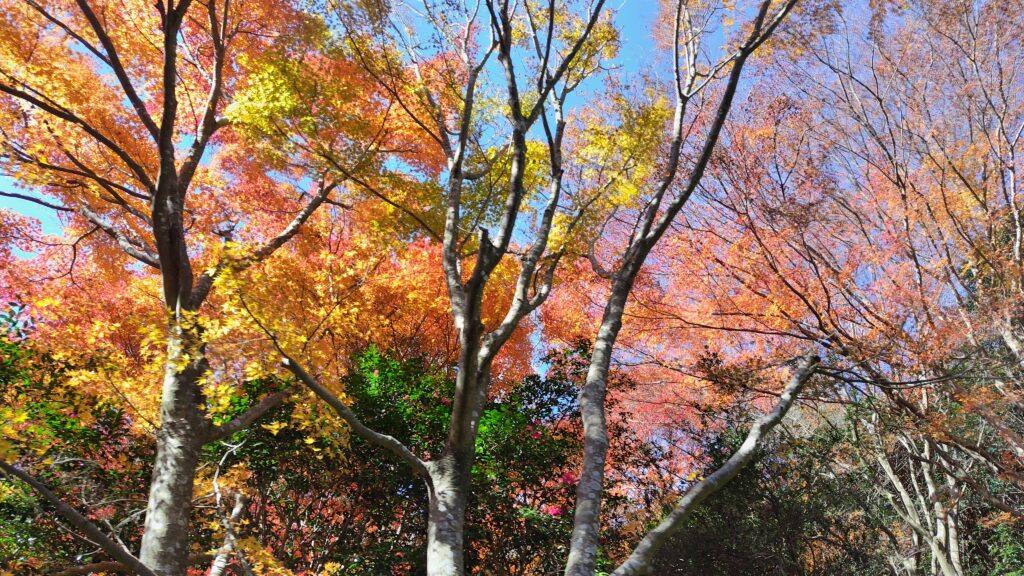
(254, 197)
(561, 51)
(870, 204)
(233, 92)
(132, 123)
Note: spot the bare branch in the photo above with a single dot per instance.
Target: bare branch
(43, 203)
(384, 441)
(242, 421)
(80, 522)
(208, 125)
(389, 443)
(114, 62)
(639, 561)
(134, 248)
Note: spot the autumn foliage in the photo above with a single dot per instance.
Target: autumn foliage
(444, 287)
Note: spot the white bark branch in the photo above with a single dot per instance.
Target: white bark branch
(639, 561)
(389, 443)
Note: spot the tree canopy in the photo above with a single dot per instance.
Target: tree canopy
(498, 287)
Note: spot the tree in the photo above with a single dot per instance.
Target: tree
(130, 122)
(868, 205)
(451, 132)
(495, 174)
(518, 520)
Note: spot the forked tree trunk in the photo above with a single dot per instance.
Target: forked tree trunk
(449, 475)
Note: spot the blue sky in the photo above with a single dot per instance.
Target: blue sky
(634, 19)
(46, 217)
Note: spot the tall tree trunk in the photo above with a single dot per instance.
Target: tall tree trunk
(447, 492)
(586, 520)
(449, 475)
(651, 226)
(165, 541)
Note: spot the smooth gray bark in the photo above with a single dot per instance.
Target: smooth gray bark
(165, 539)
(586, 519)
(448, 476)
(447, 515)
(165, 542)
